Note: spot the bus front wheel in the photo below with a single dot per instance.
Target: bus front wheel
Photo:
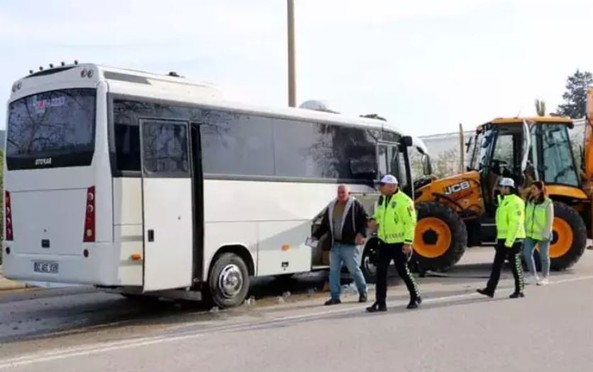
(228, 281)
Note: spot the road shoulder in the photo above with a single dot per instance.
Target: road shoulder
(8, 285)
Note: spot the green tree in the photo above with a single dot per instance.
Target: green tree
(575, 97)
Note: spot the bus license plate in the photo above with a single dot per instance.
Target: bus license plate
(45, 267)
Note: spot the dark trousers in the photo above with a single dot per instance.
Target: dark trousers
(386, 253)
(513, 255)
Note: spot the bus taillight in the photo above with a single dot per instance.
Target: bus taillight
(8, 216)
(89, 220)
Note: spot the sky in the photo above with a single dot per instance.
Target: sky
(426, 65)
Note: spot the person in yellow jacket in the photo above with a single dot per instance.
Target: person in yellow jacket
(395, 222)
(539, 217)
(510, 232)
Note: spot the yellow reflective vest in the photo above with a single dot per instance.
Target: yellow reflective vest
(538, 220)
(510, 219)
(396, 217)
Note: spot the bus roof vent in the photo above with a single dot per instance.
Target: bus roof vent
(317, 105)
(54, 70)
(173, 73)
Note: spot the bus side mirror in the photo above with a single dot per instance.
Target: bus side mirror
(406, 141)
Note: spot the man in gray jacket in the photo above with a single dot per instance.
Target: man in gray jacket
(345, 219)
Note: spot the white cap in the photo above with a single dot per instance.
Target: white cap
(508, 182)
(388, 179)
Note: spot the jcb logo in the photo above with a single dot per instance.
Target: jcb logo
(458, 187)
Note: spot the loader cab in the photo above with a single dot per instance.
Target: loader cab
(498, 153)
(525, 150)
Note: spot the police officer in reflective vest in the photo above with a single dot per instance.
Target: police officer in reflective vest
(510, 231)
(395, 222)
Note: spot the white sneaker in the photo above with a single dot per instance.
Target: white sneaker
(532, 279)
(544, 281)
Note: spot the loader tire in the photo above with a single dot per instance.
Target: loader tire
(569, 238)
(440, 239)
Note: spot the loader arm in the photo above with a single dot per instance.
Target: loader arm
(588, 144)
(587, 166)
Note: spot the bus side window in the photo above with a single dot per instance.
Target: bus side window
(165, 147)
(382, 155)
(127, 147)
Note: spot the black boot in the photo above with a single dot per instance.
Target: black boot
(376, 307)
(485, 292)
(414, 303)
(517, 295)
(332, 301)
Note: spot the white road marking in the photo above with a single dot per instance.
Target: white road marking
(65, 353)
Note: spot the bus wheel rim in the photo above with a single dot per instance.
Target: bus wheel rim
(565, 238)
(433, 237)
(230, 281)
(368, 265)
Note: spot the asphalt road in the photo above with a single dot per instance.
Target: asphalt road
(455, 330)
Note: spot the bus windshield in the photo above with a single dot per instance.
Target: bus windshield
(51, 129)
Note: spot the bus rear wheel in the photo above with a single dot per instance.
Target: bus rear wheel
(228, 281)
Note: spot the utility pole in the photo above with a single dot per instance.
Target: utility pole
(291, 57)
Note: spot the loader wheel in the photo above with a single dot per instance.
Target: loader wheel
(569, 237)
(441, 237)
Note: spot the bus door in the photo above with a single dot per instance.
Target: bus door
(167, 205)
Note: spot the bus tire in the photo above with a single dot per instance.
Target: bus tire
(569, 237)
(368, 261)
(441, 237)
(228, 282)
(368, 264)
